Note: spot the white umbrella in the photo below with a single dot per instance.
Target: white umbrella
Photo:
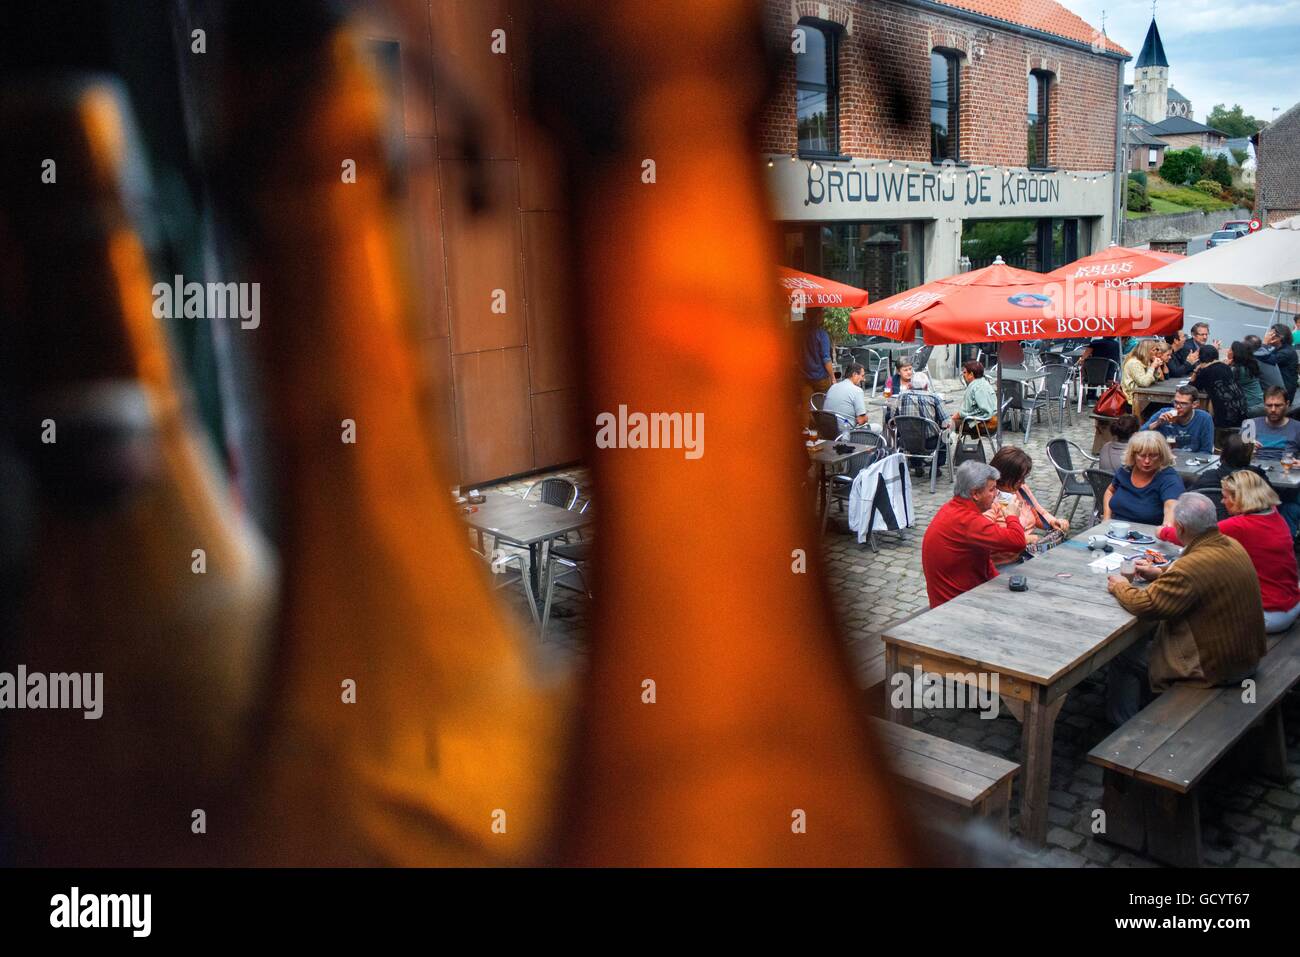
(1266, 256)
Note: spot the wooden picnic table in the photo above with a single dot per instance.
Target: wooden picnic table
(528, 524)
(1039, 643)
(1162, 393)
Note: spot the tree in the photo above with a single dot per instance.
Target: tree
(1182, 166)
(1233, 122)
(1220, 171)
(1240, 156)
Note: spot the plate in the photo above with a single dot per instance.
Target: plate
(1138, 538)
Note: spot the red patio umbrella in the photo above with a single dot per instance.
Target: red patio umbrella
(1000, 303)
(1118, 266)
(809, 290)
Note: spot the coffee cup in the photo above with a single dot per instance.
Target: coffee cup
(1119, 529)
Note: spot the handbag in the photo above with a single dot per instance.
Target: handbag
(1111, 403)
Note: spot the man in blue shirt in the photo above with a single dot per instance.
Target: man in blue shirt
(815, 356)
(1275, 433)
(1187, 428)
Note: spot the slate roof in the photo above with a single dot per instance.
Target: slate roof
(1045, 15)
(1153, 51)
(1175, 95)
(1181, 124)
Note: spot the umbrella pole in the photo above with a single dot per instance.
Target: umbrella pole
(1006, 352)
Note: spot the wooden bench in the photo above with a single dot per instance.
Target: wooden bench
(1156, 760)
(949, 780)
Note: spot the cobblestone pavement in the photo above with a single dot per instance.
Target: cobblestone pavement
(1247, 821)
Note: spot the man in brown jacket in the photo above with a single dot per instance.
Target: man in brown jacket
(1208, 605)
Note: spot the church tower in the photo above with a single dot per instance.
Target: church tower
(1151, 79)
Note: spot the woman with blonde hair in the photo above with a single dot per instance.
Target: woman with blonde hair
(1146, 488)
(1144, 366)
(1255, 522)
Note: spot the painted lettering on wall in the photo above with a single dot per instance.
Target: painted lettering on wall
(980, 188)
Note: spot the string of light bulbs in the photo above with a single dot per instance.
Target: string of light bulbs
(871, 165)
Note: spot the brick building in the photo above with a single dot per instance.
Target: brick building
(904, 135)
(1277, 177)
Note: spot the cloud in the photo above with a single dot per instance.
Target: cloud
(1218, 52)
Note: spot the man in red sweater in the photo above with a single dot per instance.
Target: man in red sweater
(956, 553)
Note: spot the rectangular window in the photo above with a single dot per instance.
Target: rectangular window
(945, 101)
(883, 258)
(1151, 157)
(1040, 85)
(816, 92)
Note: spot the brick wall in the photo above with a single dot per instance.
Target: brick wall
(890, 43)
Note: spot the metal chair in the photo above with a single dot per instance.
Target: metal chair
(564, 560)
(1096, 372)
(876, 363)
(862, 435)
(554, 491)
(831, 425)
(817, 401)
(508, 568)
(911, 435)
(1098, 482)
(1215, 495)
(842, 482)
(921, 358)
(1074, 481)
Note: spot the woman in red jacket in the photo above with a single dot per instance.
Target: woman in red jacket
(1255, 522)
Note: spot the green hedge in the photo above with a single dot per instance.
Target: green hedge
(1191, 198)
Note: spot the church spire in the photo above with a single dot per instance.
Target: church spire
(1153, 51)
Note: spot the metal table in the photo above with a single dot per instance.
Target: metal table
(528, 524)
(1186, 470)
(828, 461)
(1038, 644)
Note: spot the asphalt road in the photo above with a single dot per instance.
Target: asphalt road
(1229, 320)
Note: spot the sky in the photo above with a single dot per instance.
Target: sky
(1219, 51)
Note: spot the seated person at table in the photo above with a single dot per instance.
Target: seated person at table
(1275, 432)
(1111, 456)
(919, 401)
(845, 398)
(1013, 467)
(1185, 426)
(1207, 603)
(1214, 377)
(1235, 456)
(1177, 366)
(979, 401)
(1145, 366)
(904, 377)
(957, 550)
(1102, 349)
(1146, 486)
(1259, 525)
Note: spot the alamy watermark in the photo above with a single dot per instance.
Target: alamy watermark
(211, 300)
(653, 430)
(75, 909)
(75, 691)
(922, 689)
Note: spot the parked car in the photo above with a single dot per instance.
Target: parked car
(1221, 237)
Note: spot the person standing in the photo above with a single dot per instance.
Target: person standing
(1215, 378)
(1278, 351)
(815, 356)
